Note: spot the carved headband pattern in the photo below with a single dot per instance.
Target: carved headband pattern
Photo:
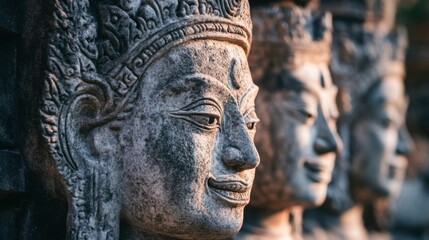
(93, 64)
(146, 29)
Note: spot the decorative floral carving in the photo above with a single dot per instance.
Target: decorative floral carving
(131, 21)
(118, 27)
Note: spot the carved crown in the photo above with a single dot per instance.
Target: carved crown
(138, 30)
(288, 34)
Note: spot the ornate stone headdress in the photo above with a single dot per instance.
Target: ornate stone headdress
(97, 52)
(287, 35)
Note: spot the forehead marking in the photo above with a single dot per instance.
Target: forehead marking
(234, 72)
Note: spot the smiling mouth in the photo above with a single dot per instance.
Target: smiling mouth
(233, 192)
(318, 173)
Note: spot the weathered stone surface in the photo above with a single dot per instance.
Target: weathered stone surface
(147, 117)
(296, 137)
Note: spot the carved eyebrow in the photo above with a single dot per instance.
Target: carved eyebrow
(202, 101)
(293, 84)
(183, 82)
(252, 90)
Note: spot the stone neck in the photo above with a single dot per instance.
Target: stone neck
(264, 224)
(351, 222)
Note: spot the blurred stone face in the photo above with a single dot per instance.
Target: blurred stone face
(296, 138)
(380, 141)
(188, 153)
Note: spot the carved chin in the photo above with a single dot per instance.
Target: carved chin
(320, 197)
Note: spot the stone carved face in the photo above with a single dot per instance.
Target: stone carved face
(296, 138)
(188, 153)
(380, 141)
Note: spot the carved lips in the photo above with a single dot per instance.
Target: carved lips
(319, 173)
(232, 191)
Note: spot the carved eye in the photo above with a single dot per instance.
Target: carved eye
(251, 126)
(302, 108)
(204, 114)
(213, 120)
(306, 114)
(251, 119)
(206, 120)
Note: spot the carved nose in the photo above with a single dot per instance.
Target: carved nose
(326, 140)
(405, 144)
(241, 154)
(233, 158)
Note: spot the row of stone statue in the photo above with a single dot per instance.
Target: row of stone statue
(147, 113)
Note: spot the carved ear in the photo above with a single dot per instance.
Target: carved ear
(82, 141)
(83, 159)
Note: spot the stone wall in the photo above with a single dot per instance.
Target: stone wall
(12, 183)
